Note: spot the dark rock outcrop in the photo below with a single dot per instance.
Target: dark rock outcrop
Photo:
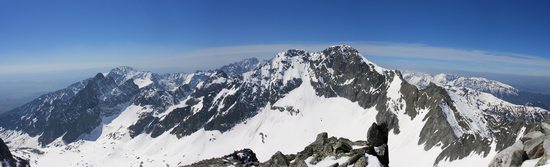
(320, 149)
(241, 158)
(377, 139)
(9, 160)
(278, 159)
(377, 135)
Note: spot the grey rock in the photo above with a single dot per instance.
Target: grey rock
(301, 163)
(545, 127)
(531, 135)
(278, 159)
(321, 138)
(361, 162)
(511, 156)
(240, 158)
(534, 147)
(342, 147)
(352, 160)
(546, 146)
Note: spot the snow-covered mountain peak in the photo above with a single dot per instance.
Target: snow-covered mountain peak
(347, 54)
(496, 88)
(122, 70)
(291, 53)
(341, 49)
(124, 73)
(99, 76)
(277, 105)
(238, 68)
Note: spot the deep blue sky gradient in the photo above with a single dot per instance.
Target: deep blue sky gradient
(505, 26)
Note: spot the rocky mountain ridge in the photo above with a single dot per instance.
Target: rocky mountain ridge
(257, 105)
(495, 88)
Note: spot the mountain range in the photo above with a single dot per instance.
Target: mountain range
(127, 117)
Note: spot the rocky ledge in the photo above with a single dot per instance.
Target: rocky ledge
(324, 151)
(532, 149)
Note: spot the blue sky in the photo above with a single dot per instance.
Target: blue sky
(69, 31)
(59, 25)
(59, 42)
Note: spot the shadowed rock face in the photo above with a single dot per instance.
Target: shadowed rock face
(9, 160)
(377, 135)
(71, 112)
(377, 138)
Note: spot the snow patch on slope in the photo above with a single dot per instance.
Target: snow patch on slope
(143, 82)
(404, 148)
(451, 119)
(395, 98)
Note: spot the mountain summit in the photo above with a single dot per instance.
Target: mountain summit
(133, 117)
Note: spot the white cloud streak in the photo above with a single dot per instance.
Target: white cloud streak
(486, 61)
(448, 54)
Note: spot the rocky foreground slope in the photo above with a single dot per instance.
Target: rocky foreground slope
(324, 151)
(531, 149)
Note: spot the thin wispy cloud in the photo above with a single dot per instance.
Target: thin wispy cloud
(395, 55)
(448, 54)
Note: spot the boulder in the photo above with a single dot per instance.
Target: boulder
(377, 135)
(278, 159)
(545, 128)
(342, 147)
(377, 140)
(240, 158)
(531, 135)
(361, 162)
(511, 156)
(534, 147)
(321, 138)
(546, 146)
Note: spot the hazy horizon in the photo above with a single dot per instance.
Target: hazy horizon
(19, 89)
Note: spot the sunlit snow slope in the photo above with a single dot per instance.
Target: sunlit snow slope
(141, 118)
